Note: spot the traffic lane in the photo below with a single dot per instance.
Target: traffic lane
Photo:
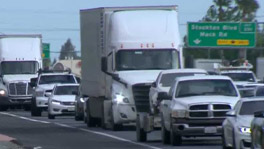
(51, 136)
(130, 134)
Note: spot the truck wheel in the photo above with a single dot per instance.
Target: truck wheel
(35, 111)
(165, 134)
(3, 108)
(176, 140)
(90, 121)
(141, 134)
(51, 116)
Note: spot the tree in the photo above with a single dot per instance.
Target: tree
(247, 9)
(68, 51)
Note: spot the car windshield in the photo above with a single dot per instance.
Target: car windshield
(167, 79)
(248, 77)
(250, 107)
(66, 90)
(52, 79)
(205, 87)
(147, 59)
(19, 67)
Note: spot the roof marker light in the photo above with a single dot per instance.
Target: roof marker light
(141, 45)
(122, 46)
(172, 44)
(147, 45)
(152, 45)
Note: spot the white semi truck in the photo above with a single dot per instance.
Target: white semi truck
(20, 59)
(123, 50)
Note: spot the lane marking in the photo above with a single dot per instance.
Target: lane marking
(82, 129)
(118, 138)
(25, 118)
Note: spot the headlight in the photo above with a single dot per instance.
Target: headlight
(178, 114)
(2, 92)
(82, 100)
(39, 93)
(245, 130)
(120, 99)
(56, 102)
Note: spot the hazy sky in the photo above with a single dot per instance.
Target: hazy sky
(58, 20)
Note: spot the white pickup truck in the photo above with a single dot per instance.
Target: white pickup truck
(196, 106)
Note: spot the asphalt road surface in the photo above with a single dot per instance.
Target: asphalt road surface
(66, 133)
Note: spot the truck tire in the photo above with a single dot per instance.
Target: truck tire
(141, 134)
(35, 111)
(176, 140)
(51, 116)
(90, 121)
(165, 134)
(3, 108)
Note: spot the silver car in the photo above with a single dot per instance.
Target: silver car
(236, 127)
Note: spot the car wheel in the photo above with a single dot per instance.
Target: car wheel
(165, 134)
(176, 140)
(141, 134)
(3, 108)
(35, 111)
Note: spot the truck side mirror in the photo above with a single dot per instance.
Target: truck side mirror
(163, 96)
(154, 84)
(33, 82)
(104, 64)
(75, 93)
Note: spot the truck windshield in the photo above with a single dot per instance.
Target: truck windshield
(19, 67)
(147, 59)
(167, 79)
(66, 90)
(53, 79)
(205, 87)
(248, 77)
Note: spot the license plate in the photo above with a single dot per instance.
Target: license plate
(71, 109)
(210, 130)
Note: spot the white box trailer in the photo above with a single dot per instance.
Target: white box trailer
(20, 59)
(123, 49)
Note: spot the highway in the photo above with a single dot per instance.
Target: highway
(66, 133)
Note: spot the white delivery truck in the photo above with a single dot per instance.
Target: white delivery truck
(20, 59)
(123, 50)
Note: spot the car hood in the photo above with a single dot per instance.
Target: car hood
(244, 120)
(136, 77)
(18, 78)
(193, 100)
(64, 98)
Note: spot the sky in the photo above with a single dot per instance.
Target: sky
(58, 20)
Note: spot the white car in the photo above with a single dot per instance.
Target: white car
(44, 84)
(62, 100)
(164, 82)
(196, 106)
(236, 127)
(241, 78)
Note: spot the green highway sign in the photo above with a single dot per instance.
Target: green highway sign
(46, 50)
(222, 34)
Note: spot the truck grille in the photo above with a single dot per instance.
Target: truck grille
(19, 89)
(213, 110)
(141, 97)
